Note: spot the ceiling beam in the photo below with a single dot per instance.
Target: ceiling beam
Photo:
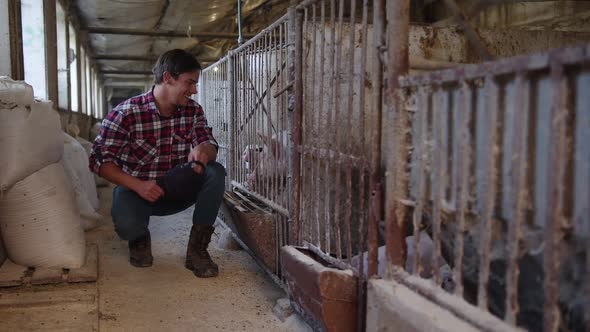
(126, 72)
(147, 58)
(170, 34)
(124, 57)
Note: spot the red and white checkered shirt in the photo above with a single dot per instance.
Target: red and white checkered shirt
(146, 144)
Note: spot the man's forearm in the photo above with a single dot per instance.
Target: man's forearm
(113, 173)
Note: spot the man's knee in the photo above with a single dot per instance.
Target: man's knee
(128, 214)
(215, 172)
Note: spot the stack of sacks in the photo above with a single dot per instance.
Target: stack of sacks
(75, 163)
(39, 219)
(94, 131)
(73, 130)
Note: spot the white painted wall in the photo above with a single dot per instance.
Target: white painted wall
(4, 40)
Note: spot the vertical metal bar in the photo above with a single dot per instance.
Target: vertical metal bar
(440, 110)
(335, 116)
(282, 113)
(375, 204)
(305, 178)
(271, 164)
(258, 123)
(240, 130)
(553, 226)
(231, 118)
(274, 54)
(240, 39)
(68, 74)
(488, 183)
(331, 55)
(462, 182)
(49, 21)
(320, 112)
(350, 129)
(295, 108)
(362, 152)
(314, 189)
(251, 60)
(79, 74)
(17, 65)
(398, 17)
(581, 187)
(518, 167)
(420, 138)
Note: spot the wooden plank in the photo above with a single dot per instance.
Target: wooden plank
(89, 271)
(11, 274)
(48, 275)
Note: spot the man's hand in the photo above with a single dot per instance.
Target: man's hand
(149, 191)
(204, 153)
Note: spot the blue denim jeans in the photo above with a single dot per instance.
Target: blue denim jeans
(131, 213)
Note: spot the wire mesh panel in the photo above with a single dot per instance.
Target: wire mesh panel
(339, 117)
(214, 97)
(261, 135)
(499, 186)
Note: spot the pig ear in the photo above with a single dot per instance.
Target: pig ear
(269, 141)
(262, 137)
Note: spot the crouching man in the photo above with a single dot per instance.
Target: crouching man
(145, 145)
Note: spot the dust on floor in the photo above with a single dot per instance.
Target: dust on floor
(164, 297)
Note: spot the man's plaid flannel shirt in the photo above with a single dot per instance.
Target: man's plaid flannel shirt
(146, 144)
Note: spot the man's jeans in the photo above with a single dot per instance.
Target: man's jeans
(131, 213)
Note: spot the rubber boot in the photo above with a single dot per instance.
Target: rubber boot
(197, 257)
(140, 251)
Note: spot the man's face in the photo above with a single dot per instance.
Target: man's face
(181, 88)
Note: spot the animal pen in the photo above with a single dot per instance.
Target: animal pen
(362, 164)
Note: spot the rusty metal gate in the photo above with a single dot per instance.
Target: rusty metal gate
(499, 180)
(340, 127)
(490, 196)
(245, 95)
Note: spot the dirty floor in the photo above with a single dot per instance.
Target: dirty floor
(165, 297)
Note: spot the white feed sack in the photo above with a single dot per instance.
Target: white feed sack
(30, 139)
(100, 182)
(40, 223)
(75, 162)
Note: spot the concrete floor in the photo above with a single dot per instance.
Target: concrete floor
(164, 297)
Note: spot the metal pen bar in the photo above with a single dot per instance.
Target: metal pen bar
(398, 40)
(331, 260)
(335, 116)
(273, 61)
(320, 112)
(349, 128)
(379, 9)
(422, 107)
(314, 174)
(331, 55)
(553, 225)
(440, 109)
(488, 182)
(362, 170)
(276, 207)
(511, 65)
(519, 168)
(463, 182)
(264, 31)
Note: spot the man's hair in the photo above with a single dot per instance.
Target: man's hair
(175, 62)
